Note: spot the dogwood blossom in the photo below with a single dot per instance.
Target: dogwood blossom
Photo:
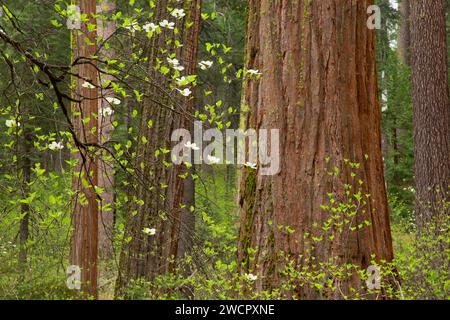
(212, 159)
(253, 72)
(178, 13)
(185, 92)
(107, 111)
(149, 231)
(191, 146)
(133, 27)
(12, 123)
(251, 165)
(55, 146)
(88, 85)
(251, 277)
(150, 26)
(167, 24)
(182, 81)
(173, 62)
(204, 65)
(113, 100)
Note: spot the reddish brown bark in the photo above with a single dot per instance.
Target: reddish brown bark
(431, 108)
(84, 248)
(319, 88)
(145, 256)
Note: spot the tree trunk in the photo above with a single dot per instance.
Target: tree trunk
(187, 228)
(25, 207)
(404, 38)
(396, 149)
(146, 256)
(106, 29)
(431, 108)
(383, 52)
(84, 249)
(319, 87)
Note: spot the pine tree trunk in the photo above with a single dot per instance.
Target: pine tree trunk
(319, 87)
(84, 249)
(146, 256)
(431, 108)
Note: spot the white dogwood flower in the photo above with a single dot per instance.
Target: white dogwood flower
(251, 165)
(150, 26)
(182, 81)
(166, 24)
(204, 65)
(107, 111)
(88, 85)
(178, 13)
(173, 62)
(12, 123)
(149, 231)
(251, 277)
(212, 159)
(113, 100)
(54, 146)
(253, 72)
(132, 27)
(191, 146)
(185, 92)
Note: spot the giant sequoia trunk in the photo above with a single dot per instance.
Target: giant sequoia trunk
(160, 188)
(84, 248)
(431, 108)
(319, 87)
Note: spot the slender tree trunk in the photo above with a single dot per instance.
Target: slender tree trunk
(404, 39)
(187, 229)
(396, 148)
(25, 207)
(383, 52)
(187, 226)
(319, 87)
(106, 29)
(84, 249)
(143, 255)
(431, 108)
(404, 50)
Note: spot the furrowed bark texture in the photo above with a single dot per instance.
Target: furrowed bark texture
(319, 88)
(146, 256)
(84, 248)
(431, 108)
